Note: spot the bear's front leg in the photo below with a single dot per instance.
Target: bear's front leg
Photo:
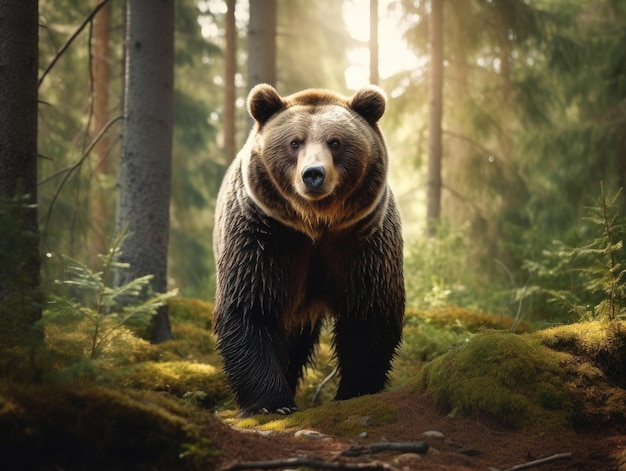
(253, 365)
(365, 348)
(369, 306)
(258, 286)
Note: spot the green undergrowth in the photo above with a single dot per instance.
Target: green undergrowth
(519, 382)
(187, 367)
(468, 362)
(191, 321)
(203, 383)
(99, 429)
(430, 333)
(136, 406)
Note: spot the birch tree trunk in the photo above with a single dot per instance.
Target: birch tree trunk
(19, 236)
(146, 160)
(433, 210)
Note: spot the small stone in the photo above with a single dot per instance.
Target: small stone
(434, 434)
(310, 435)
(363, 435)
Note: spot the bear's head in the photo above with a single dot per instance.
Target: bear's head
(316, 160)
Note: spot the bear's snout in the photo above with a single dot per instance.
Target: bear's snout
(313, 178)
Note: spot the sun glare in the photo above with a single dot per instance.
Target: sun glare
(394, 55)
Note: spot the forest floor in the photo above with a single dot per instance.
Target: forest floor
(467, 444)
(491, 400)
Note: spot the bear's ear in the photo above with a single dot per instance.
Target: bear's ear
(369, 102)
(264, 102)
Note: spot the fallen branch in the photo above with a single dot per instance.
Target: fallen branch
(402, 447)
(532, 464)
(313, 463)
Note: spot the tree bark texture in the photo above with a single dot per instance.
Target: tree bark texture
(229, 82)
(146, 160)
(435, 32)
(19, 239)
(262, 43)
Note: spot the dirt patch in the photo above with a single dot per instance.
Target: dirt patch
(469, 443)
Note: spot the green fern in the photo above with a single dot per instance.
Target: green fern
(103, 310)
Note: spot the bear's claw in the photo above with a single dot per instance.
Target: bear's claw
(281, 410)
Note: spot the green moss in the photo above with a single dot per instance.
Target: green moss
(184, 310)
(600, 343)
(520, 382)
(177, 378)
(502, 376)
(339, 418)
(464, 320)
(191, 326)
(92, 428)
(594, 371)
(347, 418)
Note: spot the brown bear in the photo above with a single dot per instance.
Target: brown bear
(306, 226)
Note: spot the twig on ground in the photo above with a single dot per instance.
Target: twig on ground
(318, 391)
(403, 447)
(309, 463)
(532, 464)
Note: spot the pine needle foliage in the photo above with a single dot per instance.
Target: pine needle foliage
(103, 311)
(589, 280)
(607, 275)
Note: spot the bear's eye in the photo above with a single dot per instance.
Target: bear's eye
(295, 144)
(334, 143)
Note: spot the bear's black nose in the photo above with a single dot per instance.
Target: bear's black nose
(313, 177)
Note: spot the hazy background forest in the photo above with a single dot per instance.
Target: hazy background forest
(534, 120)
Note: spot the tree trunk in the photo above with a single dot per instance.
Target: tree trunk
(146, 160)
(433, 210)
(374, 75)
(229, 82)
(100, 71)
(20, 303)
(262, 43)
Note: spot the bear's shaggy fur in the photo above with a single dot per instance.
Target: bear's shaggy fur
(306, 226)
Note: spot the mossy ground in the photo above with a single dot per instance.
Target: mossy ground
(52, 427)
(340, 418)
(525, 381)
(502, 376)
(142, 406)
